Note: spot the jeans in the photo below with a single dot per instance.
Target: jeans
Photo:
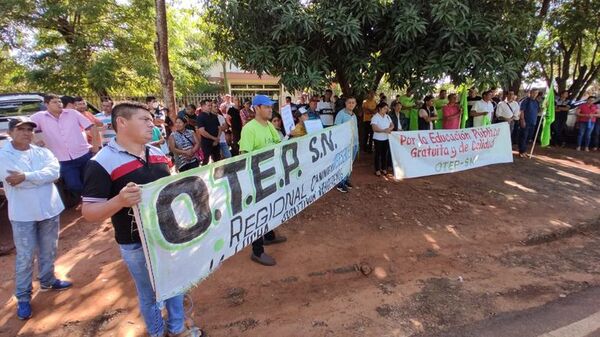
(516, 130)
(30, 236)
(524, 135)
(367, 136)
(585, 133)
(258, 246)
(381, 154)
(71, 172)
(346, 180)
(225, 150)
(211, 151)
(133, 255)
(596, 134)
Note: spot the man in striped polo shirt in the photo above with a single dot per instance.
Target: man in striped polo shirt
(110, 190)
(108, 133)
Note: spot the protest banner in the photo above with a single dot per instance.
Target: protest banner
(424, 153)
(287, 119)
(313, 125)
(191, 222)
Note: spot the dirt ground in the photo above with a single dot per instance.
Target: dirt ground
(387, 259)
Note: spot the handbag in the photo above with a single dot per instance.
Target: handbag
(199, 153)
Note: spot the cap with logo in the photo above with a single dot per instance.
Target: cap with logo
(18, 121)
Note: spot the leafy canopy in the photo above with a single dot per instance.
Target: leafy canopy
(357, 42)
(101, 47)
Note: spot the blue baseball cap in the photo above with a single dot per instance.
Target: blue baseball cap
(262, 100)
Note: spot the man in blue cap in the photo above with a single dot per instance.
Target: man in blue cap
(257, 134)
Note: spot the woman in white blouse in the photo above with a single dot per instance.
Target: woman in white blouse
(382, 126)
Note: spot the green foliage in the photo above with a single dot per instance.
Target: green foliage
(99, 47)
(357, 42)
(568, 51)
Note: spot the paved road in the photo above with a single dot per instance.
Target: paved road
(577, 315)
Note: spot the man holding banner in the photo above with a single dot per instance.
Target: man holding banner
(483, 110)
(257, 134)
(111, 189)
(347, 115)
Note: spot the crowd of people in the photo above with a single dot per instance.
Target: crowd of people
(104, 157)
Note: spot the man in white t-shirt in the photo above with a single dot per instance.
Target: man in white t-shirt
(483, 109)
(508, 110)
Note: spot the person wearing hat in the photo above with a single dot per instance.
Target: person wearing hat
(257, 134)
(300, 130)
(28, 173)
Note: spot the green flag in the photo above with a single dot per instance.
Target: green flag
(549, 116)
(464, 106)
(439, 104)
(486, 120)
(408, 104)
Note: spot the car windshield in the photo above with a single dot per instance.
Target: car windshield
(21, 107)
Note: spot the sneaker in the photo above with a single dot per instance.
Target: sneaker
(349, 184)
(378, 173)
(578, 148)
(58, 285)
(342, 189)
(587, 149)
(190, 332)
(278, 239)
(23, 310)
(263, 259)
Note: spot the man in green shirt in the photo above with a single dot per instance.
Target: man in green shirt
(408, 109)
(257, 134)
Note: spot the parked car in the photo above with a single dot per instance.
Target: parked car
(24, 104)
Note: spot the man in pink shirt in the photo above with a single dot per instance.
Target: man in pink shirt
(61, 133)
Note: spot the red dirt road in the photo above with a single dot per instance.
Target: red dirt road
(435, 252)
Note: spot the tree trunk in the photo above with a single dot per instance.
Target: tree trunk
(225, 80)
(344, 85)
(377, 80)
(515, 84)
(161, 48)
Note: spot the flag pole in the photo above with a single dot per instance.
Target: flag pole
(542, 120)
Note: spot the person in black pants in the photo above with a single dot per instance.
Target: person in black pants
(560, 123)
(208, 128)
(382, 126)
(236, 126)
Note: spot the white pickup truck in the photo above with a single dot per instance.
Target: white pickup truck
(15, 105)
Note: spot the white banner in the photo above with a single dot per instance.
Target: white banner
(193, 221)
(424, 153)
(287, 119)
